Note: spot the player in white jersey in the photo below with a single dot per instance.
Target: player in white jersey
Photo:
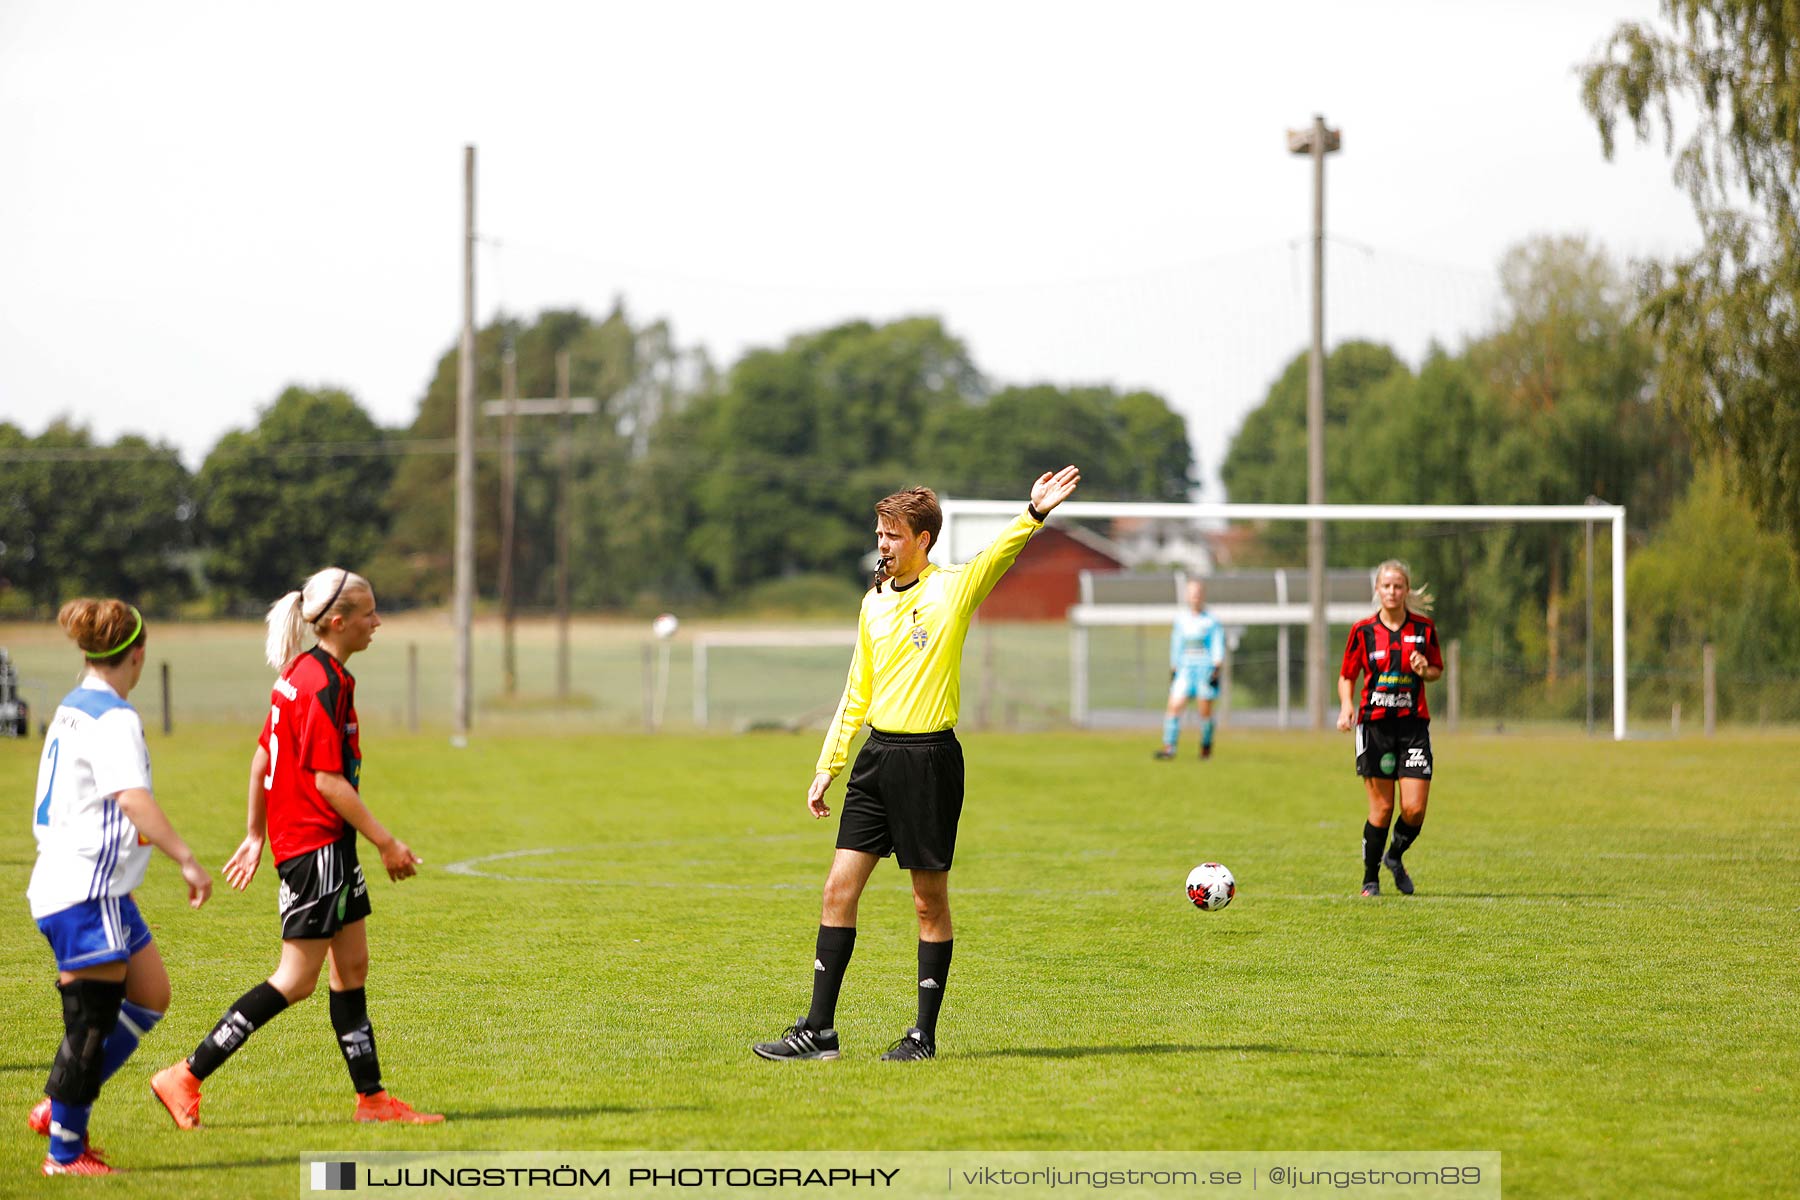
(95, 820)
(1196, 653)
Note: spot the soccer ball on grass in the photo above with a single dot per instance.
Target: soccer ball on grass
(1210, 886)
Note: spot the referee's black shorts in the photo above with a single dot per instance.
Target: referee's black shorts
(904, 798)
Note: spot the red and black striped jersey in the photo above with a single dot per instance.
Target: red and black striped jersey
(311, 727)
(1382, 656)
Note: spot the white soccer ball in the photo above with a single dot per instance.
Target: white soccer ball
(665, 626)
(1211, 887)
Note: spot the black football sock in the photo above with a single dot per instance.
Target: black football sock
(254, 1009)
(830, 959)
(356, 1038)
(934, 975)
(1374, 841)
(1404, 836)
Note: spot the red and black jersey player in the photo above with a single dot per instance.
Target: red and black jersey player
(1396, 652)
(305, 799)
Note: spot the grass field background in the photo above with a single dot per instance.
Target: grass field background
(1596, 977)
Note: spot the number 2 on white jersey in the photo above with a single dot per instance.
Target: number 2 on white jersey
(274, 746)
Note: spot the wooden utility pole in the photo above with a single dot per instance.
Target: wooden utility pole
(1709, 689)
(412, 687)
(1316, 143)
(463, 606)
(566, 431)
(564, 407)
(509, 484)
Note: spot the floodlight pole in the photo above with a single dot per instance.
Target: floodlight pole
(463, 604)
(1316, 143)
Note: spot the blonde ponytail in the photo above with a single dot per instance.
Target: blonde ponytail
(290, 617)
(286, 630)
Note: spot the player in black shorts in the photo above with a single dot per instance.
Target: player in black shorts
(1396, 650)
(305, 802)
(906, 791)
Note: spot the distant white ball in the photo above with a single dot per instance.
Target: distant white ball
(665, 625)
(1210, 886)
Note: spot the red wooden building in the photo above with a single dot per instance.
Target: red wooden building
(1045, 582)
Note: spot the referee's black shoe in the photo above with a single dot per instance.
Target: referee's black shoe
(1402, 880)
(800, 1041)
(912, 1046)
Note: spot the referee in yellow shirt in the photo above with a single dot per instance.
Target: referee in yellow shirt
(906, 791)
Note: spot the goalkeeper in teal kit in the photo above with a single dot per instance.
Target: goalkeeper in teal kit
(1196, 654)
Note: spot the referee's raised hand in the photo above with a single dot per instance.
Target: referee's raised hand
(1051, 490)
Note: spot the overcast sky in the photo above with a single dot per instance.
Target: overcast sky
(206, 202)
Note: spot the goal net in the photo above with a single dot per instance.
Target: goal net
(769, 678)
(1513, 656)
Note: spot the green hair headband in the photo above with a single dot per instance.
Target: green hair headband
(126, 644)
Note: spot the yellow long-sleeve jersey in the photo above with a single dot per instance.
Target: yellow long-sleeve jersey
(906, 673)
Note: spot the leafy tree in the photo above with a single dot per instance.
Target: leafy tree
(638, 375)
(1129, 447)
(1711, 574)
(1159, 462)
(300, 490)
(1266, 462)
(1568, 376)
(415, 560)
(800, 442)
(1726, 319)
(79, 518)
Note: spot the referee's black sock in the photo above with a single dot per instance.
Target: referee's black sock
(1404, 835)
(356, 1038)
(1374, 842)
(830, 958)
(254, 1009)
(934, 974)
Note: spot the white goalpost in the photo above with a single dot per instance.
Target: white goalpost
(783, 707)
(971, 524)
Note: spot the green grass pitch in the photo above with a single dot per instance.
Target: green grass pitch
(1596, 977)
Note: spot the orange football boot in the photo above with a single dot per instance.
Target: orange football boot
(385, 1106)
(179, 1092)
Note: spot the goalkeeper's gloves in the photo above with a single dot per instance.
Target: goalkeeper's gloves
(1213, 679)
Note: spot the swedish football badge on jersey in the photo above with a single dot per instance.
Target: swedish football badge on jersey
(918, 635)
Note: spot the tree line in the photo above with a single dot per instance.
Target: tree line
(688, 484)
(696, 487)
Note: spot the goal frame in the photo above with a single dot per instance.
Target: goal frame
(1581, 514)
(763, 639)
